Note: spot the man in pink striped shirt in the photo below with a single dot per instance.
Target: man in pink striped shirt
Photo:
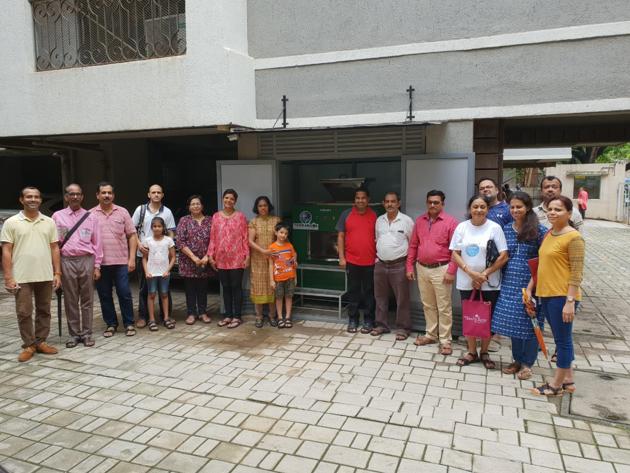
(119, 259)
(429, 251)
(81, 257)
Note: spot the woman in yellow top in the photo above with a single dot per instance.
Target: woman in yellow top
(560, 268)
(261, 234)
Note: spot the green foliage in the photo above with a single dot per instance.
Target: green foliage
(615, 153)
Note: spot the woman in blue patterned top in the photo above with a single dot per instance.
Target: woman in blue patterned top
(524, 236)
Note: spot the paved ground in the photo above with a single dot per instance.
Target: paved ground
(316, 399)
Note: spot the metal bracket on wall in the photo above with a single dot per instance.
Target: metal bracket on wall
(410, 115)
(284, 111)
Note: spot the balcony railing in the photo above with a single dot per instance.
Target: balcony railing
(78, 33)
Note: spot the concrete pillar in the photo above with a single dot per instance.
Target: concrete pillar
(450, 137)
(488, 147)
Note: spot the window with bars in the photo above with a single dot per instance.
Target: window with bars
(78, 33)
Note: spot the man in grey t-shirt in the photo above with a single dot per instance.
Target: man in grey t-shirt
(551, 188)
(142, 217)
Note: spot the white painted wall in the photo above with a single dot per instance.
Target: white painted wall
(605, 207)
(213, 83)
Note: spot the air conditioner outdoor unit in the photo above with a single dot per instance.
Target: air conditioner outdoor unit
(160, 31)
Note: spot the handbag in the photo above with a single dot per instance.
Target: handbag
(476, 316)
(492, 253)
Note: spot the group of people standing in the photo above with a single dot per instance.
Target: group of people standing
(380, 255)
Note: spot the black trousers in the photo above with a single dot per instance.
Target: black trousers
(196, 296)
(143, 311)
(232, 285)
(360, 293)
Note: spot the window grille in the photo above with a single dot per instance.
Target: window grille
(78, 33)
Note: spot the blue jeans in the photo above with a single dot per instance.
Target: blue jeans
(562, 331)
(525, 352)
(118, 276)
(158, 284)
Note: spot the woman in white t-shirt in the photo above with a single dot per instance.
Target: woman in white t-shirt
(469, 244)
(157, 268)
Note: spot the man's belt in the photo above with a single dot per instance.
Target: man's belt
(434, 265)
(394, 261)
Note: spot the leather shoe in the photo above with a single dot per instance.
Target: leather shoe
(27, 353)
(46, 349)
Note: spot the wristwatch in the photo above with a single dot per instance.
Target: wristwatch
(570, 299)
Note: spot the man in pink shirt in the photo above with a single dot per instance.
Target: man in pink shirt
(81, 257)
(429, 251)
(118, 235)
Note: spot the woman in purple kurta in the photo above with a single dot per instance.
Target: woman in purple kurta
(193, 236)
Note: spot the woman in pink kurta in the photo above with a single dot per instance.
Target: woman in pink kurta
(228, 254)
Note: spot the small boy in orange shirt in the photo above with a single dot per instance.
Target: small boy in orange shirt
(283, 274)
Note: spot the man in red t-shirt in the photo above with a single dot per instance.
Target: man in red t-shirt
(356, 243)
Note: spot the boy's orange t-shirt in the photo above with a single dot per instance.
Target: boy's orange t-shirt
(284, 260)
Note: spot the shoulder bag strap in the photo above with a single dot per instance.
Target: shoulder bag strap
(73, 229)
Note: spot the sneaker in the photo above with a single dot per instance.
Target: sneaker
(27, 353)
(46, 349)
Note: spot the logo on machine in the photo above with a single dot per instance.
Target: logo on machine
(306, 222)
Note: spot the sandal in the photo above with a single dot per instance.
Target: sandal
(288, 323)
(131, 331)
(88, 341)
(109, 331)
(224, 322)
(554, 357)
(205, 318)
(141, 323)
(350, 329)
(512, 368)
(259, 323)
(401, 337)
(365, 329)
(524, 373)
(169, 324)
(190, 320)
(467, 359)
(446, 349)
(273, 322)
(153, 326)
(422, 341)
(376, 331)
(547, 390)
(73, 342)
(281, 323)
(236, 321)
(487, 362)
(569, 387)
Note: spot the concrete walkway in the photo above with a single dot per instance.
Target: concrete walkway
(316, 399)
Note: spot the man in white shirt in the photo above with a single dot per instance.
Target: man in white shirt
(142, 220)
(551, 187)
(393, 233)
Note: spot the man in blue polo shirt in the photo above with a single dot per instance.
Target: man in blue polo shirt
(356, 242)
(499, 210)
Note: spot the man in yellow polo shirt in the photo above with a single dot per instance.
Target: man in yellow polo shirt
(32, 267)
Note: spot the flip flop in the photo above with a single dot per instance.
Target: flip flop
(224, 322)
(236, 321)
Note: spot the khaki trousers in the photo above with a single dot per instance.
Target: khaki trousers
(436, 301)
(42, 291)
(77, 281)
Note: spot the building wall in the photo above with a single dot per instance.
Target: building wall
(213, 83)
(606, 207)
(466, 60)
(291, 27)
